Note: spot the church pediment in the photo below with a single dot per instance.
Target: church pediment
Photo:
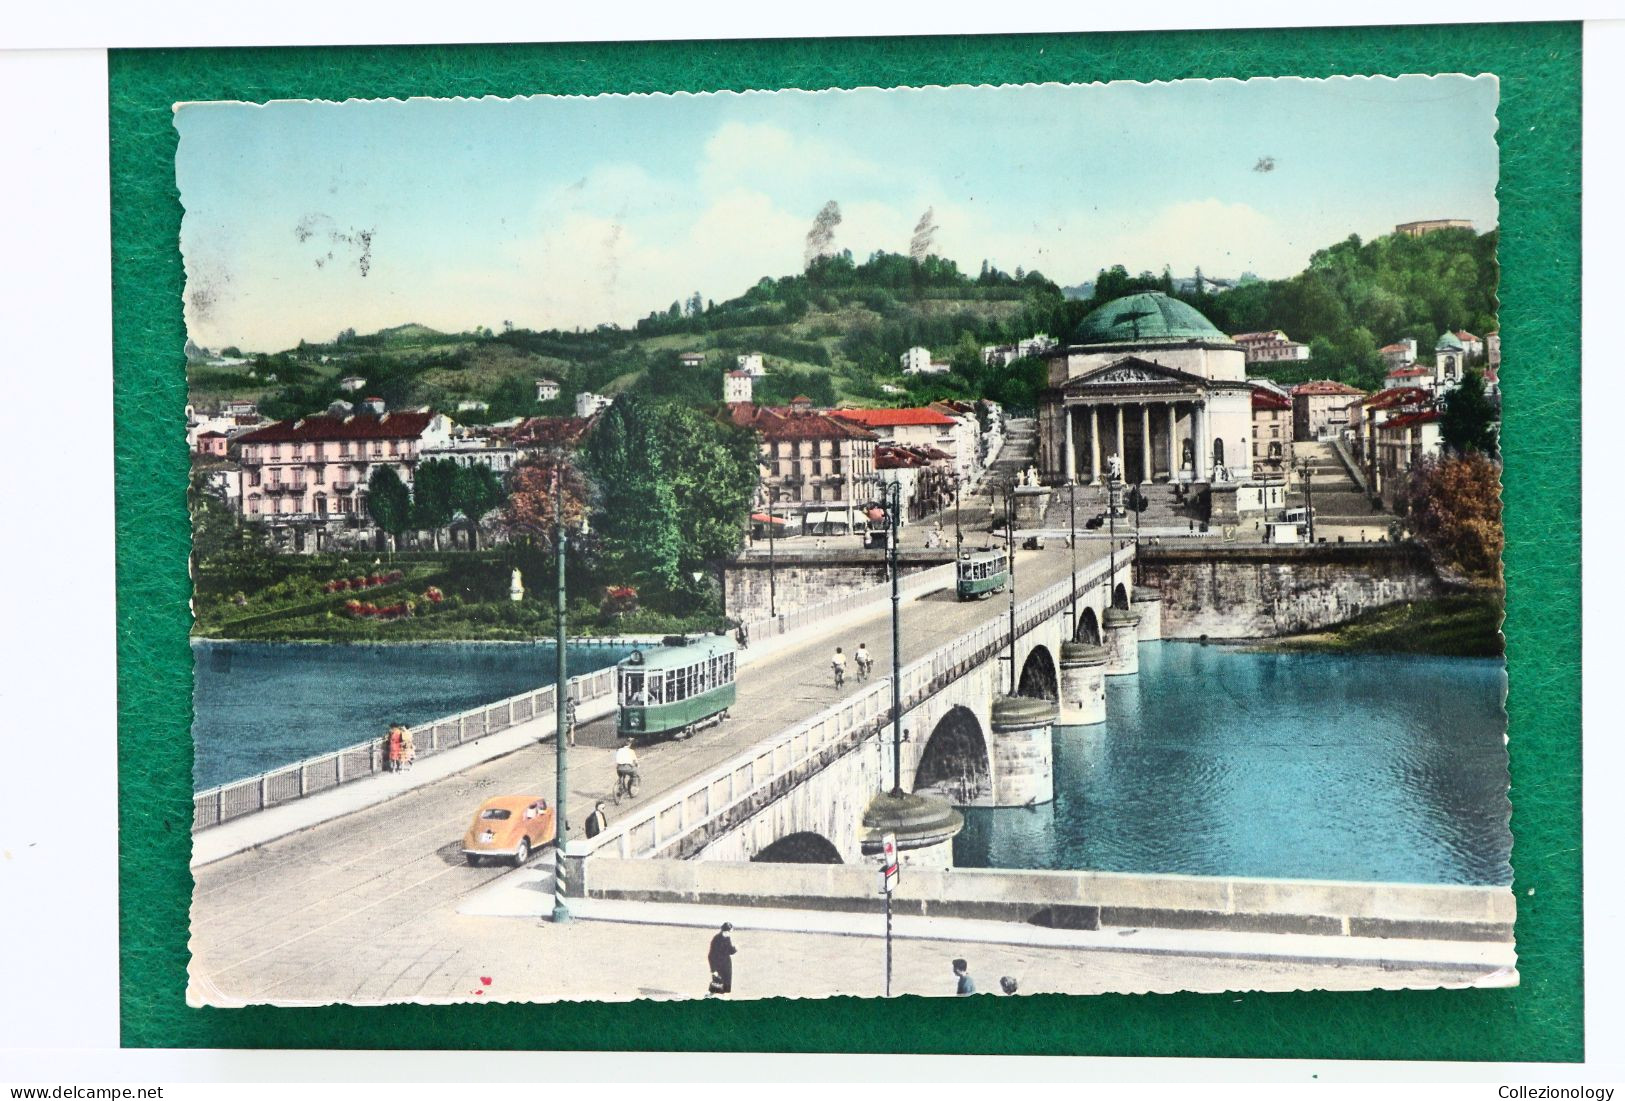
(1135, 372)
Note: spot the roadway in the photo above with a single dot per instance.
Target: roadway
(287, 920)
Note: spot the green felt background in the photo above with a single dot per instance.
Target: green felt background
(1539, 67)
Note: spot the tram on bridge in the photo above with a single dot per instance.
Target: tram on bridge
(673, 690)
(982, 573)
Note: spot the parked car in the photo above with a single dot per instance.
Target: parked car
(512, 826)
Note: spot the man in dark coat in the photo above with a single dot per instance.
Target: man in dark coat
(597, 820)
(720, 957)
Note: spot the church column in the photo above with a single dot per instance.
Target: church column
(1199, 440)
(1094, 444)
(1122, 459)
(1173, 442)
(1071, 446)
(1145, 443)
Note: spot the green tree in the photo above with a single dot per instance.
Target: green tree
(388, 502)
(1468, 421)
(474, 492)
(636, 511)
(432, 496)
(711, 468)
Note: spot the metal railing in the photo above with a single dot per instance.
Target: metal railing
(363, 759)
(663, 823)
(784, 623)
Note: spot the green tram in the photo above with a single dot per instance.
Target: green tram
(672, 690)
(983, 573)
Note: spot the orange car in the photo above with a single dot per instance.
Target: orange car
(509, 825)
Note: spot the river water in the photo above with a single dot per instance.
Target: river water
(1219, 761)
(262, 705)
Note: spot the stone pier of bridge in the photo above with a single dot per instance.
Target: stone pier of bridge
(976, 731)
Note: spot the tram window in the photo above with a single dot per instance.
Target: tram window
(631, 687)
(655, 695)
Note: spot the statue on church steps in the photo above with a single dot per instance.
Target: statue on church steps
(1114, 467)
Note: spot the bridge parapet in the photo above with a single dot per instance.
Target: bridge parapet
(681, 822)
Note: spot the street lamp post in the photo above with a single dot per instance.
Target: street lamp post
(1307, 473)
(1111, 528)
(1010, 553)
(561, 700)
(772, 539)
(894, 505)
(959, 536)
(1072, 539)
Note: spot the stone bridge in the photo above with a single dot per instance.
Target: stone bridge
(800, 796)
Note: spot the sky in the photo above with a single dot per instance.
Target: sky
(303, 219)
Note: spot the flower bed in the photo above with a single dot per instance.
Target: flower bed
(369, 581)
(357, 609)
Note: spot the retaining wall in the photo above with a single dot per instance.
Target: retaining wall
(1081, 900)
(1262, 592)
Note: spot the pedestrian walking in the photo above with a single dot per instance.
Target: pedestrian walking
(570, 722)
(966, 985)
(597, 821)
(720, 958)
(409, 749)
(1008, 984)
(742, 636)
(393, 745)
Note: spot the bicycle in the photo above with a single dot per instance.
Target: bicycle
(863, 670)
(840, 675)
(626, 785)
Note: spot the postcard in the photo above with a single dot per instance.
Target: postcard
(939, 541)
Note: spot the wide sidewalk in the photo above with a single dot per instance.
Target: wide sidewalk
(528, 893)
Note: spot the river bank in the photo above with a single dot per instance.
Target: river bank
(1460, 625)
(417, 597)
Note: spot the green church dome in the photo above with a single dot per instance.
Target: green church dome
(1148, 317)
(1450, 342)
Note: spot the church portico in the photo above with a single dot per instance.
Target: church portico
(1152, 383)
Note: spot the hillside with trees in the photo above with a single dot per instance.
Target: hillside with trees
(836, 330)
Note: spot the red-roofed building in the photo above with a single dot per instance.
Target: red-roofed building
(1472, 345)
(925, 473)
(1272, 435)
(307, 478)
(1402, 441)
(1369, 413)
(1400, 354)
(817, 469)
(549, 435)
(942, 426)
(1273, 346)
(1320, 409)
(212, 443)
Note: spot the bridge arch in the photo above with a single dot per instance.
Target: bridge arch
(1088, 627)
(1038, 676)
(800, 848)
(955, 761)
(1120, 596)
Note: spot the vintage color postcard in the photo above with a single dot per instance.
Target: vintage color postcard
(942, 541)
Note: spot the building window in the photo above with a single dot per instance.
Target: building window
(321, 475)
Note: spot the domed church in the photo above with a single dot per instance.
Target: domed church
(1149, 380)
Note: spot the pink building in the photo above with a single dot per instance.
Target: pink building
(212, 444)
(313, 472)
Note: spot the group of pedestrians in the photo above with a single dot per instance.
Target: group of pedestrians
(399, 752)
(719, 960)
(860, 657)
